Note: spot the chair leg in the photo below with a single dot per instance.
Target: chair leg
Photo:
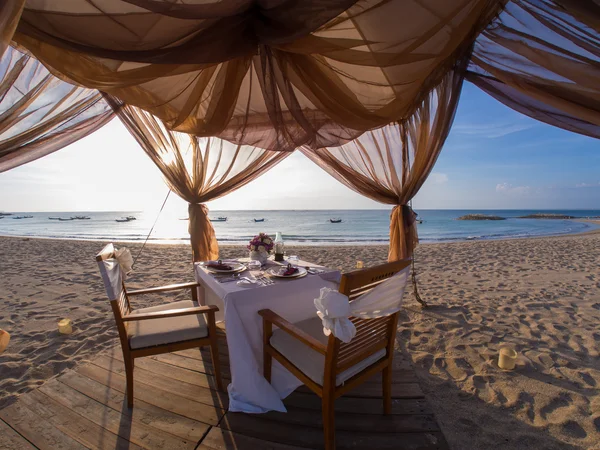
(267, 364)
(387, 389)
(328, 405)
(214, 355)
(129, 376)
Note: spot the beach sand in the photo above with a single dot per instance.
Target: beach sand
(541, 296)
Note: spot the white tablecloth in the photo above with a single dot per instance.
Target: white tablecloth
(249, 391)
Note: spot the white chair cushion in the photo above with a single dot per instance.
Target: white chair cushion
(311, 362)
(151, 332)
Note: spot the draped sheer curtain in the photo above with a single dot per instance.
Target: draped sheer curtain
(272, 74)
(39, 113)
(196, 169)
(10, 14)
(390, 164)
(542, 58)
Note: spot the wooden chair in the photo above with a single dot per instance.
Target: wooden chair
(328, 366)
(158, 329)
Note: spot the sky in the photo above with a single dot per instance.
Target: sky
(494, 158)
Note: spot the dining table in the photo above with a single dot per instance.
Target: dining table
(239, 301)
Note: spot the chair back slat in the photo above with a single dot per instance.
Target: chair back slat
(372, 335)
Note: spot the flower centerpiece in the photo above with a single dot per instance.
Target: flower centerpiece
(260, 246)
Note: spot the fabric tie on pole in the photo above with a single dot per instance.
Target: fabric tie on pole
(202, 233)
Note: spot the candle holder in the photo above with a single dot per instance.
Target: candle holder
(279, 246)
(507, 358)
(4, 339)
(65, 326)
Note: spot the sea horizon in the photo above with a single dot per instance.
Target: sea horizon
(299, 227)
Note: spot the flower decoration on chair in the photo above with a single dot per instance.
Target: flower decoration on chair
(260, 247)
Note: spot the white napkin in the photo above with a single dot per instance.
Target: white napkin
(334, 310)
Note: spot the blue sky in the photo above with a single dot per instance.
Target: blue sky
(494, 158)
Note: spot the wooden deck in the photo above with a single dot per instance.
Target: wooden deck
(177, 407)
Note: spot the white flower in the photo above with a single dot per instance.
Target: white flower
(268, 241)
(261, 248)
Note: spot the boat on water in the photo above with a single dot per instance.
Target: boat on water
(80, 218)
(53, 218)
(63, 219)
(335, 220)
(126, 219)
(220, 219)
(23, 217)
(259, 220)
(2, 214)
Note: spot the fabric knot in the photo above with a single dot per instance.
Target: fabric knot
(333, 308)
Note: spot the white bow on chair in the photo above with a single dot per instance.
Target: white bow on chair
(334, 309)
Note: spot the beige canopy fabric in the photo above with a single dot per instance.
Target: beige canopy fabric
(270, 73)
(39, 113)
(391, 164)
(542, 58)
(196, 169)
(279, 74)
(10, 13)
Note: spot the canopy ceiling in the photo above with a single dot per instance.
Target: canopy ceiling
(272, 73)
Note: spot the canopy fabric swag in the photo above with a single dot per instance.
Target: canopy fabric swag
(196, 169)
(273, 74)
(367, 89)
(39, 113)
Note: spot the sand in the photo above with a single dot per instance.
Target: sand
(540, 296)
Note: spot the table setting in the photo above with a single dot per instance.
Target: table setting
(242, 287)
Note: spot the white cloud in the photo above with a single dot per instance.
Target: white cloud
(491, 130)
(510, 189)
(438, 178)
(585, 185)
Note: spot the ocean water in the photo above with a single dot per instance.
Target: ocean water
(298, 227)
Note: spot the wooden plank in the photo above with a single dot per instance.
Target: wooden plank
(175, 372)
(157, 397)
(196, 353)
(134, 431)
(11, 440)
(407, 423)
(199, 394)
(303, 436)
(375, 390)
(220, 439)
(184, 362)
(36, 430)
(350, 404)
(79, 428)
(143, 412)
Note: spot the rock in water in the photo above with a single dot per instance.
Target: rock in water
(546, 216)
(480, 217)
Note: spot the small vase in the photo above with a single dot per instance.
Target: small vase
(259, 256)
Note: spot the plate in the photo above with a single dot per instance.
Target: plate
(235, 267)
(278, 272)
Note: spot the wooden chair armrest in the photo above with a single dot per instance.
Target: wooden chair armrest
(293, 330)
(171, 287)
(210, 309)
